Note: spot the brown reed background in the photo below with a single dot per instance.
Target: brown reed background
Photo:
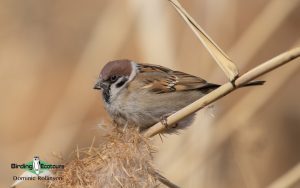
(51, 53)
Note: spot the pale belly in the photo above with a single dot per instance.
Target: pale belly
(144, 110)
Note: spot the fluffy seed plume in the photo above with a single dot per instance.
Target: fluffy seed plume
(124, 159)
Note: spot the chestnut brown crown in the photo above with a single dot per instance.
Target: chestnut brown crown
(116, 68)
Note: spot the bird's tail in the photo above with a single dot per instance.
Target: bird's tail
(210, 86)
(254, 83)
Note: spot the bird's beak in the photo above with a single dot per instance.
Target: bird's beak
(100, 85)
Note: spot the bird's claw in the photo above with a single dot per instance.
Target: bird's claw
(164, 121)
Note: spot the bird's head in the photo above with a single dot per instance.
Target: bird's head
(114, 76)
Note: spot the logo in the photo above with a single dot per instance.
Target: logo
(36, 170)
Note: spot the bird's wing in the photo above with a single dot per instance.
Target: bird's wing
(160, 79)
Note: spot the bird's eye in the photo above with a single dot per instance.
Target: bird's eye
(113, 78)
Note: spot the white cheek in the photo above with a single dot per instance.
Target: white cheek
(114, 90)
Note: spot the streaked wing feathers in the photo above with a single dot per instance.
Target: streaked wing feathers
(159, 79)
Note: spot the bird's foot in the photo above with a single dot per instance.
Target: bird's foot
(164, 121)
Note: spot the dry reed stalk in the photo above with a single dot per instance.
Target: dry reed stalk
(234, 122)
(261, 97)
(288, 179)
(274, 63)
(223, 62)
(216, 15)
(226, 89)
(244, 49)
(229, 68)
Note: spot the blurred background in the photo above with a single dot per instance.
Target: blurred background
(51, 53)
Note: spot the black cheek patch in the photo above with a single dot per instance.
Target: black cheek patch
(106, 94)
(124, 80)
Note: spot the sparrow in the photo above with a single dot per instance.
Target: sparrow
(144, 94)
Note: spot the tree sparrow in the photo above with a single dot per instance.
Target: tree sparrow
(144, 94)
